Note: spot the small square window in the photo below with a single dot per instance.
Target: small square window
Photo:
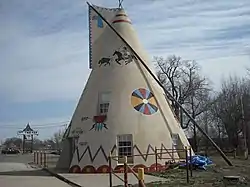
(125, 148)
(104, 107)
(104, 99)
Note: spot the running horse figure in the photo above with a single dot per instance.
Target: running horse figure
(127, 58)
(119, 57)
(130, 58)
(104, 61)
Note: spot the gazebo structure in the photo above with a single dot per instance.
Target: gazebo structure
(28, 136)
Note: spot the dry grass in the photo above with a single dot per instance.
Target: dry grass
(212, 177)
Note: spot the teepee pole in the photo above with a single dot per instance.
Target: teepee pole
(166, 91)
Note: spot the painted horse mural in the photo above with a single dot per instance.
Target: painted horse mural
(123, 55)
(129, 59)
(104, 61)
(119, 57)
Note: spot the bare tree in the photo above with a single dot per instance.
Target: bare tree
(58, 137)
(182, 78)
(248, 71)
(227, 108)
(184, 81)
(13, 141)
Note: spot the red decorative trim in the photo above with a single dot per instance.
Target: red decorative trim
(121, 20)
(100, 119)
(75, 169)
(152, 168)
(88, 169)
(136, 167)
(118, 169)
(103, 169)
(117, 15)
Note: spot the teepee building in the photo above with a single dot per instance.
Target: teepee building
(122, 110)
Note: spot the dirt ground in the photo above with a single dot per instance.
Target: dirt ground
(213, 176)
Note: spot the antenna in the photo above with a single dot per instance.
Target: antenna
(120, 3)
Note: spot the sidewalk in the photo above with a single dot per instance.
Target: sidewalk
(23, 175)
(30, 181)
(94, 180)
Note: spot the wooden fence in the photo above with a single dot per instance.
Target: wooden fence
(139, 173)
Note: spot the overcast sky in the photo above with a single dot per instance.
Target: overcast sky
(44, 50)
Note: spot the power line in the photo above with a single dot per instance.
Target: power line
(46, 125)
(42, 127)
(37, 125)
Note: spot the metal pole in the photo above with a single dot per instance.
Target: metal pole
(206, 130)
(166, 91)
(187, 165)
(41, 158)
(181, 112)
(244, 128)
(23, 143)
(37, 157)
(156, 161)
(110, 170)
(44, 159)
(34, 155)
(190, 161)
(31, 146)
(125, 172)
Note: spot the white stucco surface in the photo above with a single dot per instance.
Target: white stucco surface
(121, 80)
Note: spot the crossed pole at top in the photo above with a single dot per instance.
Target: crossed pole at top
(120, 3)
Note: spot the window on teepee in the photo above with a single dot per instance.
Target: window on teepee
(175, 139)
(104, 99)
(125, 148)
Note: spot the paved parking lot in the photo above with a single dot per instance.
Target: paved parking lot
(16, 172)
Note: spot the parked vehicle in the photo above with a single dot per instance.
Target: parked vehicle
(56, 152)
(10, 151)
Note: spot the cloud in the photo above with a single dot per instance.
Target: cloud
(214, 33)
(45, 68)
(196, 25)
(44, 45)
(45, 51)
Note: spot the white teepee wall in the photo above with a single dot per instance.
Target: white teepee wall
(97, 26)
(150, 125)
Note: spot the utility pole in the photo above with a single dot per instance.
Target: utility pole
(24, 143)
(244, 127)
(206, 130)
(195, 148)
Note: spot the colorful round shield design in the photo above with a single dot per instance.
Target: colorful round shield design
(144, 101)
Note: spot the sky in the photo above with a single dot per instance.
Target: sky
(44, 50)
